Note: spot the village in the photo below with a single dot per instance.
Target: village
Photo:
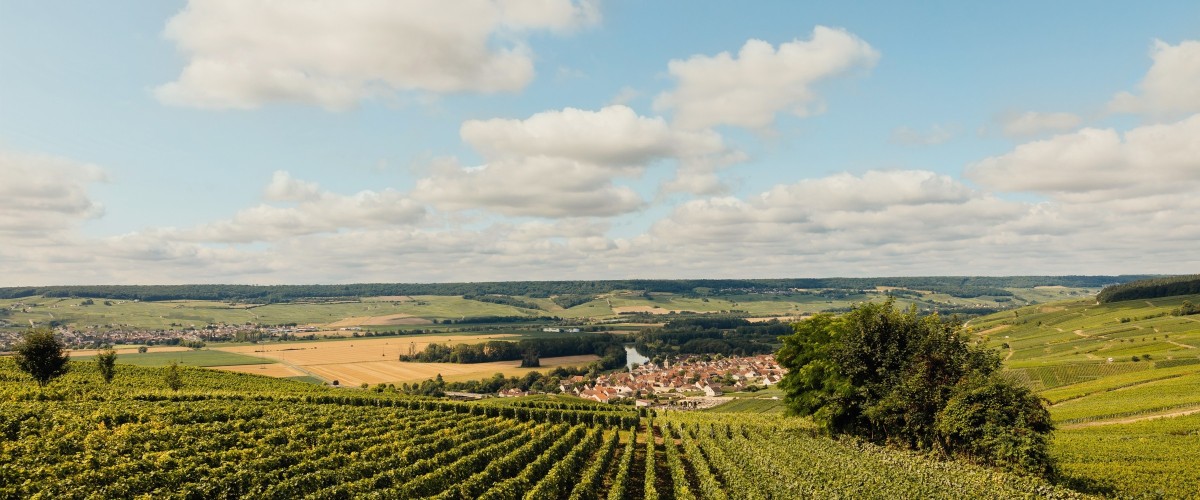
(690, 382)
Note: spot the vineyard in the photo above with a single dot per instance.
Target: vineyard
(231, 435)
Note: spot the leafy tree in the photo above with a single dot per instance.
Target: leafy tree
(895, 377)
(106, 362)
(172, 376)
(41, 355)
(990, 420)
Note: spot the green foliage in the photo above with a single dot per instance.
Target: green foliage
(172, 377)
(106, 364)
(991, 420)
(1150, 289)
(40, 354)
(889, 376)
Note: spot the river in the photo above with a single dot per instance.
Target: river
(633, 357)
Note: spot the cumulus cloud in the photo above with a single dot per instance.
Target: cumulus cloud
(566, 163)
(43, 194)
(1100, 163)
(750, 89)
(1032, 123)
(1171, 88)
(246, 53)
(315, 211)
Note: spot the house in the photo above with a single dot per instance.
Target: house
(711, 391)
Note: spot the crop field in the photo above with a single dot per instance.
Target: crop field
(374, 372)
(750, 405)
(190, 357)
(422, 310)
(234, 435)
(1148, 459)
(375, 360)
(1126, 428)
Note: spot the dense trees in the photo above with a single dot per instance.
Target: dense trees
(40, 354)
(608, 347)
(1151, 289)
(916, 382)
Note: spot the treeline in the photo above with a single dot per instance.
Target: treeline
(718, 335)
(487, 320)
(959, 286)
(569, 301)
(503, 300)
(607, 347)
(1151, 289)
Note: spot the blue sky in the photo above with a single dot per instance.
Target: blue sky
(302, 142)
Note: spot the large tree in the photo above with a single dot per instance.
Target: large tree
(40, 354)
(895, 377)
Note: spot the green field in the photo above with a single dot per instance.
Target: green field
(179, 314)
(1109, 440)
(227, 435)
(750, 405)
(200, 357)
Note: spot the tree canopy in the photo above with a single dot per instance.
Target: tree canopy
(894, 377)
(40, 354)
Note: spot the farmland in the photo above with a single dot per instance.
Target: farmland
(228, 434)
(1122, 380)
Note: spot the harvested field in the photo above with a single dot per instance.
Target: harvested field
(392, 371)
(785, 319)
(645, 309)
(277, 370)
(388, 320)
(354, 351)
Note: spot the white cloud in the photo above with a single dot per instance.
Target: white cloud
(316, 211)
(1171, 88)
(748, 90)
(1100, 163)
(912, 137)
(1033, 123)
(44, 194)
(284, 187)
(246, 53)
(566, 163)
(537, 187)
(614, 135)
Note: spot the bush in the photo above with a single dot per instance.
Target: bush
(41, 355)
(915, 382)
(995, 422)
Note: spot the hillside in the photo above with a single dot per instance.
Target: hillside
(958, 286)
(1150, 289)
(241, 435)
(1122, 380)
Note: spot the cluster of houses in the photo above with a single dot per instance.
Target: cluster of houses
(689, 376)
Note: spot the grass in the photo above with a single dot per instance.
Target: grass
(1151, 396)
(750, 405)
(1149, 459)
(202, 357)
(1061, 349)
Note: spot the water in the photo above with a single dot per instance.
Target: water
(633, 357)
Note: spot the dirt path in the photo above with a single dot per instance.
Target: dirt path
(1185, 346)
(1130, 420)
(1151, 304)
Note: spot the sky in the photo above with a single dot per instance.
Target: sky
(312, 141)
